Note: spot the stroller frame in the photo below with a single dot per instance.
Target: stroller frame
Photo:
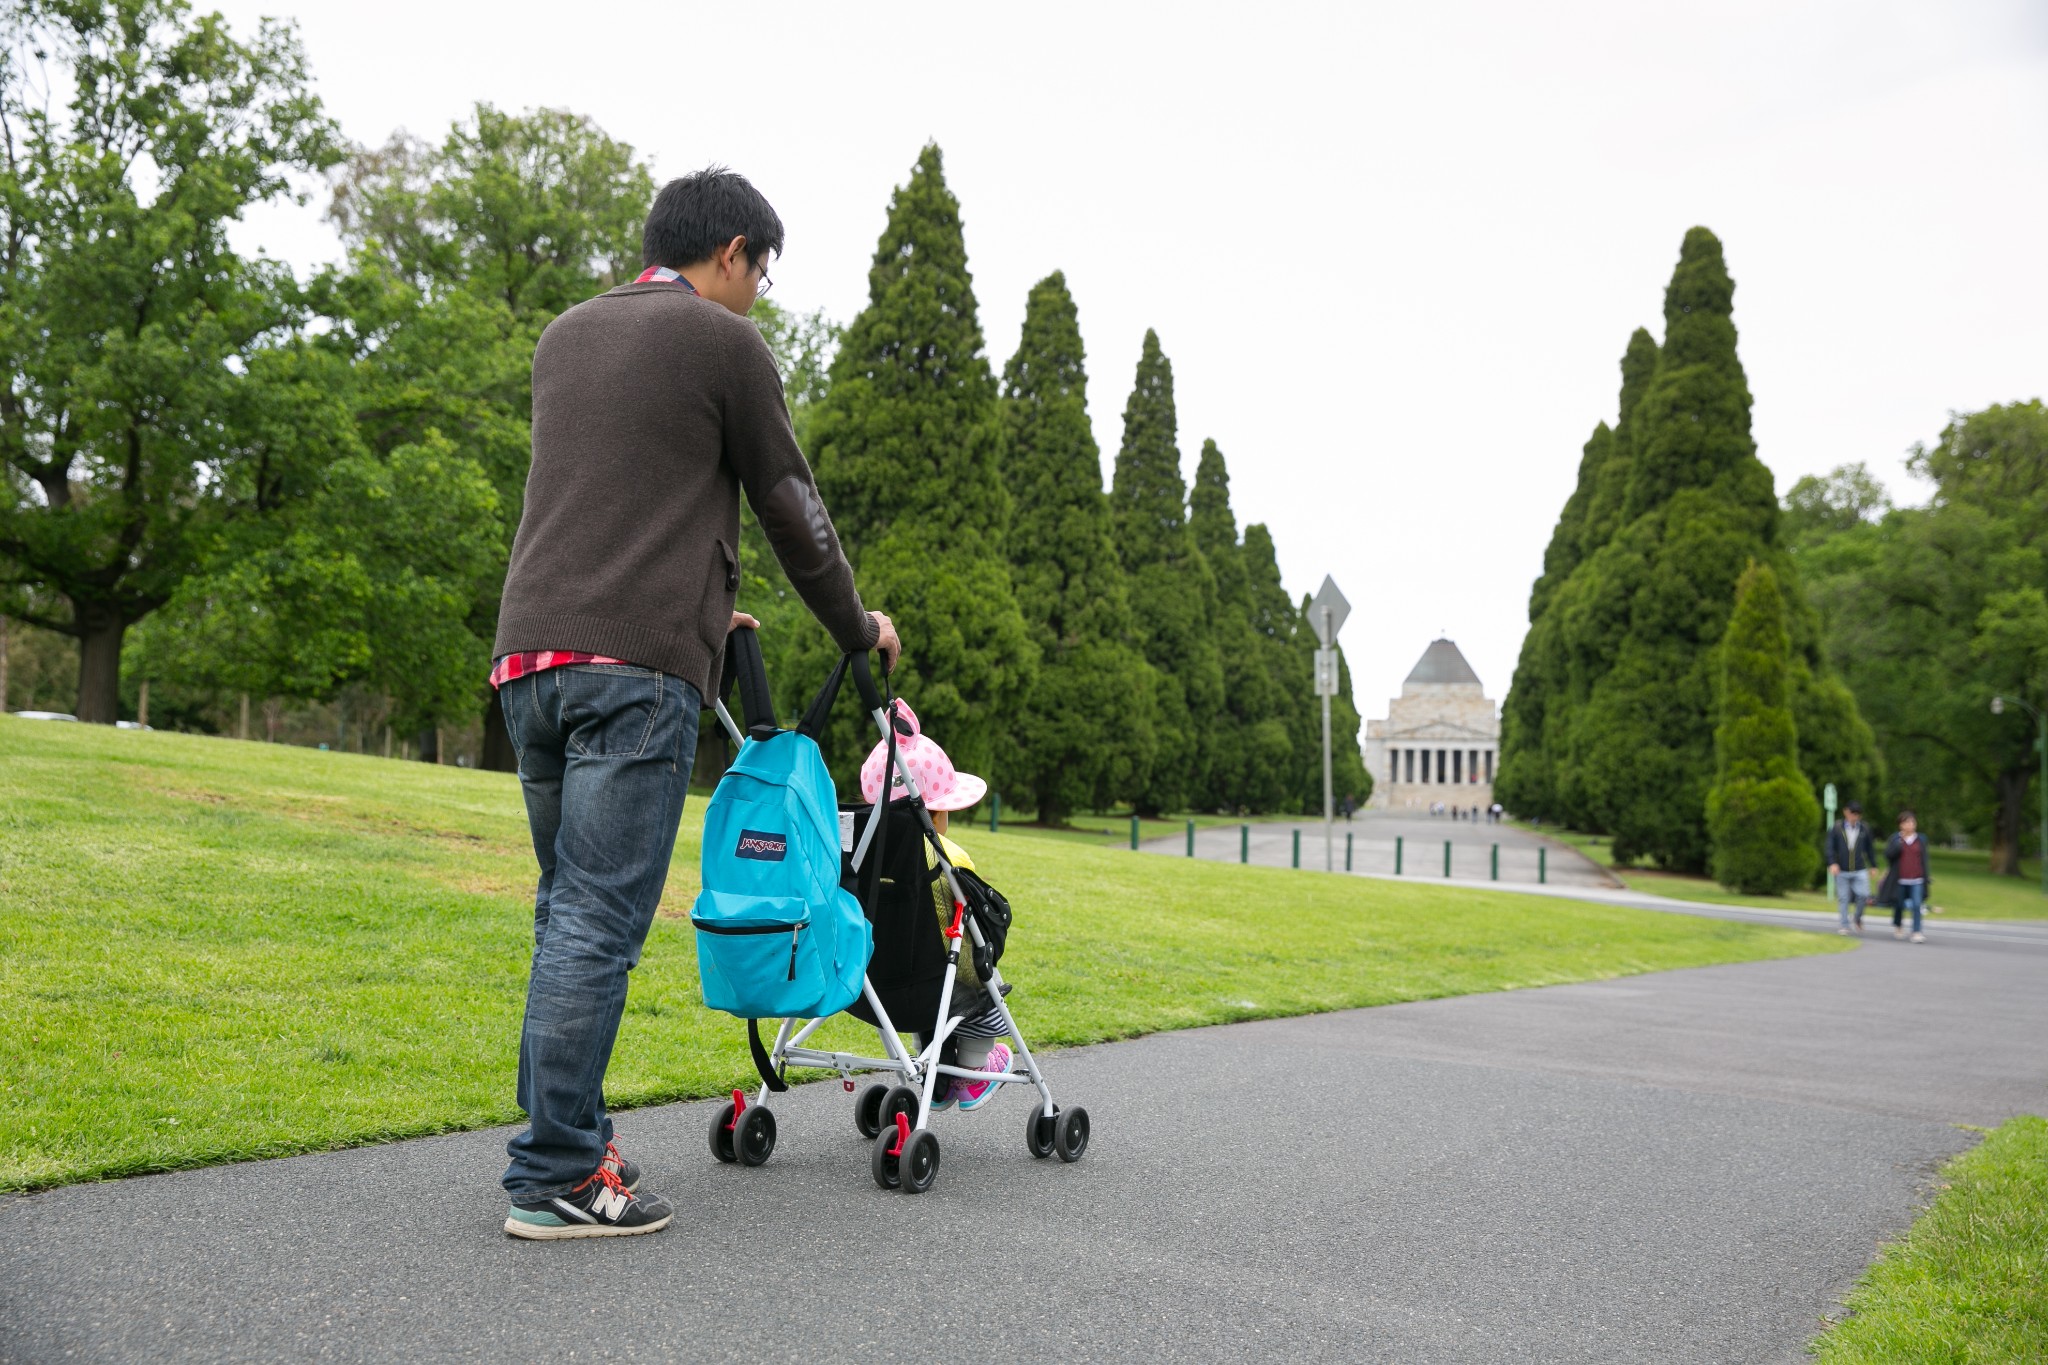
(906, 1151)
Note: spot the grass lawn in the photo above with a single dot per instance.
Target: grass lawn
(213, 950)
(1969, 1281)
(1964, 885)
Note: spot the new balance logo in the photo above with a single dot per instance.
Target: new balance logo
(767, 848)
(610, 1204)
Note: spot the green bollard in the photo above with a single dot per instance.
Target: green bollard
(1297, 848)
(1447, 857)
(1244, 843)
(1134, 834)
(995, 812)
(1496, 862)
(1191, 838)
(1542, 865)
(1347, 850)
(1397, 855)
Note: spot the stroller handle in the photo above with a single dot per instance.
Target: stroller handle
(864, 682)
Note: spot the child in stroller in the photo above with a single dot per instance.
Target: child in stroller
(945, 790)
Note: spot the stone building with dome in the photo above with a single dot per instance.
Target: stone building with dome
(1440, 739)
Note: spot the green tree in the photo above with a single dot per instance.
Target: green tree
(132, 335)
(1820, 506)
(460, 254)
(908, 446)
(1761, 811)
(1931, 611)
(1172, 588)
(1083, 736)
(1614, 731)
(1250, 765)
(1532, 730)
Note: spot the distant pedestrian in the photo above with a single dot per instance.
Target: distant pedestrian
(1906, 876)
(1851, 855)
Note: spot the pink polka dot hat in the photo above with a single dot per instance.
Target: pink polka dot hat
(943, 787)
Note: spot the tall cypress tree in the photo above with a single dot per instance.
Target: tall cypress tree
(1540, 699)
(1636, 628)
(1761, 810)
(1084, 734)
(1248, 767)
(1170, 584)
(1285, 736)
(908, 448)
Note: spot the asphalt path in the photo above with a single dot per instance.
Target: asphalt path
(1688, 1166)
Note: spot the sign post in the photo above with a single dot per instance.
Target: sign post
(1327, 613)
(1827, 799)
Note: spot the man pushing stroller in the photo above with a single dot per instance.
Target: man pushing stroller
(653, 406)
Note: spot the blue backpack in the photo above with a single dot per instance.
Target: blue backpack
(777, 936)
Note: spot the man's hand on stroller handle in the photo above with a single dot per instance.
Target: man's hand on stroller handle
(887, 642)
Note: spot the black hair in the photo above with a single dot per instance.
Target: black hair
(696, 215)
(1906, 815)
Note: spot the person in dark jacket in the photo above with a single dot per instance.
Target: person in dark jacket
(1852, 852)
(1907, 876)
(655, 406)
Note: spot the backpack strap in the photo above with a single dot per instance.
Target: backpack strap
(743, 665)
(820, 709)
(761, 1063)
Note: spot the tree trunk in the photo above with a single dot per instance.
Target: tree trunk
(142, 704)
(2011, 787)
(242, 725)
(99, 664)
(498, 756)
(4, 624)
(430, 745)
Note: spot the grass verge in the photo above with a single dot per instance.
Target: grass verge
(1964, 884)
(1969, 1281)
(213, 950)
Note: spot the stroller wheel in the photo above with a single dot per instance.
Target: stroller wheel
(900, 1100)
(1070, 1133)
(721, 1134)
(1038, 1132)
(867, 1110)
(753, 1138)
(882, 1165)
(919, 1165)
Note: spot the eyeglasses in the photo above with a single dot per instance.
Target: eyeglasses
(766, 284)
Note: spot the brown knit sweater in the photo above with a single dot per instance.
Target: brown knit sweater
(652, 408)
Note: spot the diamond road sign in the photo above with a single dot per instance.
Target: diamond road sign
(1327, 612)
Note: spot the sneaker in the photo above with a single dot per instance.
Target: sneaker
(1898, 933)
(942, 1093)
(1841, 931)
(627, 1171)
(1919, 938)
(974, 1094)
(601, 1206)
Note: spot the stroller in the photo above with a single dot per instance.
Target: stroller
(912, 974)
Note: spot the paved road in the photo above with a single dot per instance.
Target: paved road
(1381, 840)
(1691, 1166)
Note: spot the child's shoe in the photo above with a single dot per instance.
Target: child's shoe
(974, 1094)
(942, 1093)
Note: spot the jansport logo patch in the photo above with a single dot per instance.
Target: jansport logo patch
(766, 848)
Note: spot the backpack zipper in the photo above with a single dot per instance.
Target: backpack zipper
(794, 931)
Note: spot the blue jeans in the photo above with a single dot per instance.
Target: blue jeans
(604, 761)
(1851, 887)
(1912, 894)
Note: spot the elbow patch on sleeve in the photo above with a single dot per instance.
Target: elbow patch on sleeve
(798, 527)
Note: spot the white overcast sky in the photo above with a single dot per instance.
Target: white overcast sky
(1394, 251)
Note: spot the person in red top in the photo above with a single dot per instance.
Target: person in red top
(1906, 876)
